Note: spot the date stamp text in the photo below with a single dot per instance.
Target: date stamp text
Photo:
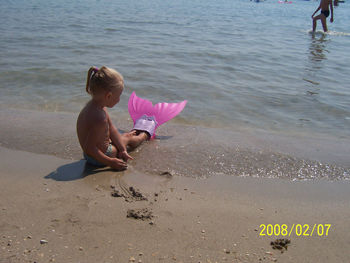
(299, 230)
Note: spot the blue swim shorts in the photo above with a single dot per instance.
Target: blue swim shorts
(94, 162)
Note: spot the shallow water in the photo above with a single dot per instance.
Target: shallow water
(239, 63)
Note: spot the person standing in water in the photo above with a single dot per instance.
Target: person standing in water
(325, 5)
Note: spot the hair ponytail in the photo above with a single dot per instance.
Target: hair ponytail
(92, 71)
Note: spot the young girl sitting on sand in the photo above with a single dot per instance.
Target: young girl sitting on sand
(101, 142)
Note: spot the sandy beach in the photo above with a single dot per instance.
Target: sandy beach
(56, 210)
(167, 207)
(256, 167)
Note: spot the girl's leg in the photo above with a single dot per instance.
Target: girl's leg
(134, 138)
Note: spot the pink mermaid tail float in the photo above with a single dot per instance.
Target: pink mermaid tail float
(147, 117)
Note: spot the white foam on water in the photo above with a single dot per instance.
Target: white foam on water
(322, 33)
(334, 33)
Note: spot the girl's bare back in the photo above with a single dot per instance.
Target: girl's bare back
(93, 128)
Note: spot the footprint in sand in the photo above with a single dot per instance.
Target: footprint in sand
(129, 193)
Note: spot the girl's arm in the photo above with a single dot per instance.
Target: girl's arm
(93, 151)
(117, 140)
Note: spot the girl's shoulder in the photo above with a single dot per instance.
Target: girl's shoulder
(93, 114)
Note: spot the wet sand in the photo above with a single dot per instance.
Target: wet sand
(56, 210)
(193, 151)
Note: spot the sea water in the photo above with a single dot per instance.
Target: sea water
(239, 63)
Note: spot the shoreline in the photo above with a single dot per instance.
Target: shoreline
(196, 151)
(60, 210)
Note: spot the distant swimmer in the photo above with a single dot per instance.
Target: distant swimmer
(325, 5)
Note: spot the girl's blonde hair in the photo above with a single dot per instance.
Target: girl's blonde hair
(103, 79)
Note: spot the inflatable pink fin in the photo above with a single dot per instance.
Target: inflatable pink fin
(147, 117)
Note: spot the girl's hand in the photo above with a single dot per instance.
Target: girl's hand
(118, 164)
(125, 156)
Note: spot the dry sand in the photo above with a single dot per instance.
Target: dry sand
(68, 207)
